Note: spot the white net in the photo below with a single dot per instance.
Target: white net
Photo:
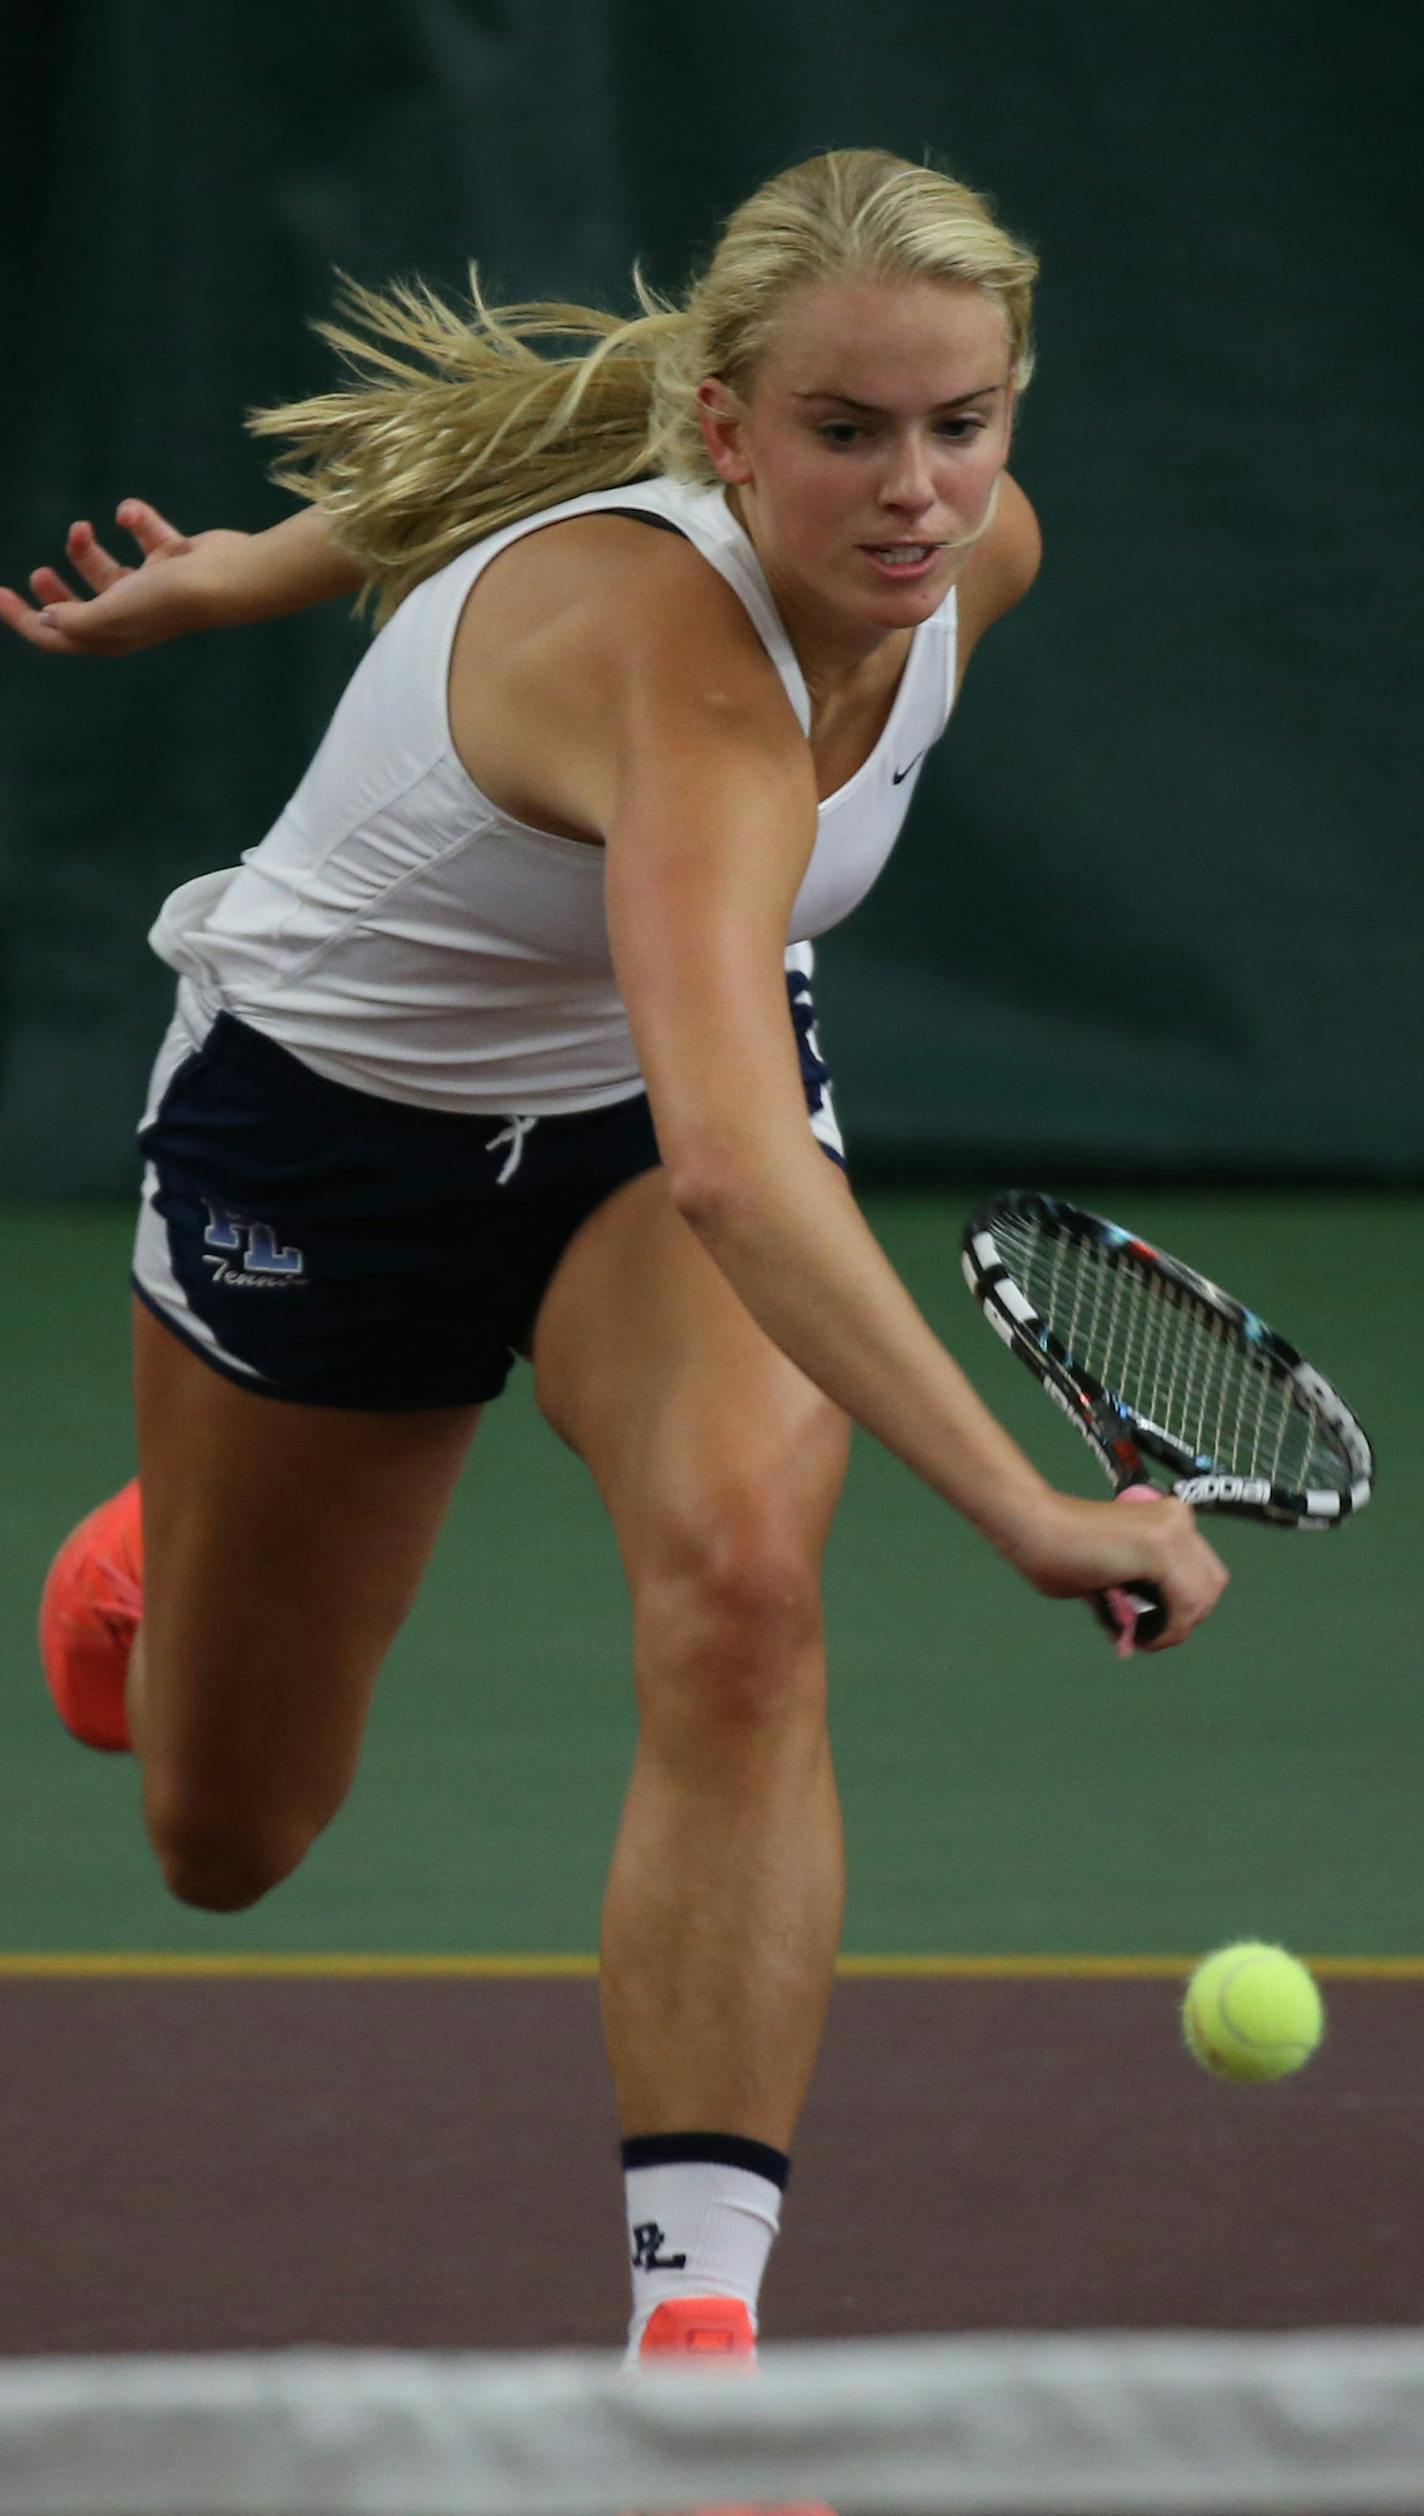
(1167, 2424)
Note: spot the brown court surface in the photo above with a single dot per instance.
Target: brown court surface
(244, 2164)
(248, 2161)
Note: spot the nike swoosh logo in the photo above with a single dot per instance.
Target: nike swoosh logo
(899, 775)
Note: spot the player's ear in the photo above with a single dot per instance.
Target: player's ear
(721, 418)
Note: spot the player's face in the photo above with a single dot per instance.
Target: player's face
(866, 451)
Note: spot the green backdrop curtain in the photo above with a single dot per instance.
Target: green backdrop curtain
(1159, 906)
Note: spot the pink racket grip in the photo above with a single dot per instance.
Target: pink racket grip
(1121, 1611)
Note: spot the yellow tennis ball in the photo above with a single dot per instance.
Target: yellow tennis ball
(1252, 2012)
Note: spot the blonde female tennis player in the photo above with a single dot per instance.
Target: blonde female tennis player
(501, 1042)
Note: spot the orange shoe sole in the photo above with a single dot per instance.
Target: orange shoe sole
(699, 2328)
(709, 2330)
(89, 1614)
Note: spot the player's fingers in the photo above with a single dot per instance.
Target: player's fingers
(89, 559)
(1186, 1574)
(88, 627)
(15, 611)
(150, 530)
(1177, 1630)
(1191, 1598)
(32, 625)
(48, 586)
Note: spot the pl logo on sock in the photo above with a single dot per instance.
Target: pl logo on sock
(646, 2240)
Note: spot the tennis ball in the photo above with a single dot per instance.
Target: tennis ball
(1252, 2012)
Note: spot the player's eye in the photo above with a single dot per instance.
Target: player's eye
(839, 432)
(959, 430)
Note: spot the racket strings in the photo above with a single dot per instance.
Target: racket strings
(1169, 1374)
(1180, 1367)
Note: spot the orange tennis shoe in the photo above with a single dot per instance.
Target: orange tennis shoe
(699, 2328)
(89, 1612)
(711, 2330)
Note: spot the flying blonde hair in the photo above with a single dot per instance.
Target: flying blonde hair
(456, 422)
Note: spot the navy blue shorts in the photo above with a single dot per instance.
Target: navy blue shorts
(323, 1245)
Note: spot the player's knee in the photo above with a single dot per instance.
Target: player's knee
(223, 1864)
(728, 1609)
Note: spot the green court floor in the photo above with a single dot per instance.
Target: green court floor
(1009, 1787)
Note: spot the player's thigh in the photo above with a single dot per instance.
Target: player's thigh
(283, 1545)
(700, 1433)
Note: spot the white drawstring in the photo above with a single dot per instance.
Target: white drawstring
(513, 1135)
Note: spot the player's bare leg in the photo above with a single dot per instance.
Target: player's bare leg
(721, 1467)
(283, 1546)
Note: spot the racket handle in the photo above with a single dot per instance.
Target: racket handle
(1136, 1616)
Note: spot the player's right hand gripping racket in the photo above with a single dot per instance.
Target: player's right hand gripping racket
(1146, 1357)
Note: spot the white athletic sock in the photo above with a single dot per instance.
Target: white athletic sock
(703, 2211)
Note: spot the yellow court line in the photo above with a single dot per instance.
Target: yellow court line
(522, 1966)
(318, 1966)
(1007, 1969)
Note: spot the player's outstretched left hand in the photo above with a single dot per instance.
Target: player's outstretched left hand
(127, 608)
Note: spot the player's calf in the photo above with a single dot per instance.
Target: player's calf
(219, 1862)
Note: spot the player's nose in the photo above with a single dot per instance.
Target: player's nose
(908, 484)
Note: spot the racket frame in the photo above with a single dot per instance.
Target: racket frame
(1121, 1439)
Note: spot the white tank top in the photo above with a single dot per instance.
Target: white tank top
(400, 933)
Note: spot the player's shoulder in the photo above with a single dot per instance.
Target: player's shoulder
(1005, 564)
(635, 585)
(654, 620)
(599, 654)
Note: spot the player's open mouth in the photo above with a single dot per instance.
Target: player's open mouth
(902, 559)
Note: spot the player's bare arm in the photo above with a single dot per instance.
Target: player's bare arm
(694, 767)
(1001, 571)
(182, 582)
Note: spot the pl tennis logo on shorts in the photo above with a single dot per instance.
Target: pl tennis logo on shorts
(244, 1252)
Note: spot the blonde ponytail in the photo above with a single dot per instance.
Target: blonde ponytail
(454, 424)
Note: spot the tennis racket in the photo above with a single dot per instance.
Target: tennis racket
(1152, 1361)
